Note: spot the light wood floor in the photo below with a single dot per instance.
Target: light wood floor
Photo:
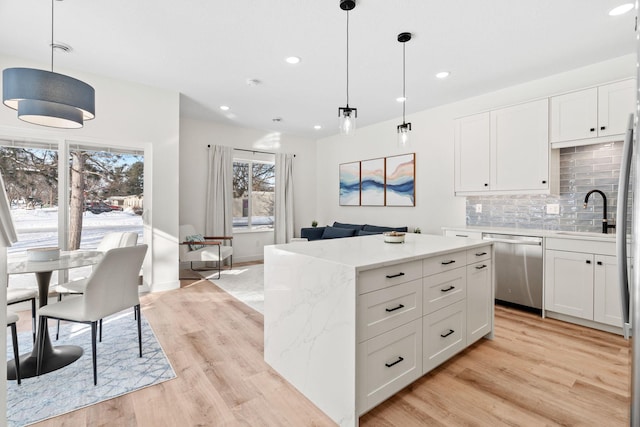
(535, 373)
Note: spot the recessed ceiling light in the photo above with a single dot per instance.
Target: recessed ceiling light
(442, 74)
(293, 60)
(401, 99)
(317, 127)
(224, 108)
(621, 10)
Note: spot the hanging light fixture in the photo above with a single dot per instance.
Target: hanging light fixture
(46, 98)
(347, 114)
(404, 128)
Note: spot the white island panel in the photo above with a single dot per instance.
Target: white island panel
(310, 328)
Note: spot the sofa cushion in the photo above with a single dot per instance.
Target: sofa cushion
(379, 229)
(312, 233)
(367, 233)
(353, 226)
(337, 232)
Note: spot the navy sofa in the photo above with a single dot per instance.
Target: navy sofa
(339, 230)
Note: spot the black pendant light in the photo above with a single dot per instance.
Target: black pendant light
(46, 98)
(404, 128)
(347, 114)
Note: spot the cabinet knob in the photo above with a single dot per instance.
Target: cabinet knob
(588, 261)
(592, 130)
(599, 262)
(544, 181)
(486, 185)
(603, 127)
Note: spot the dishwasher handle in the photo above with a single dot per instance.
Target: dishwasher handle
(531, 241)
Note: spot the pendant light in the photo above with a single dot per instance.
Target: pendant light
(347, 114)
(404, 128)
(46, 98)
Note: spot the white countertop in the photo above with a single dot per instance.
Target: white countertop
(580, 235)
(367, 252)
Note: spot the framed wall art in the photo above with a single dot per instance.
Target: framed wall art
(400, 180)
(372, 182)
(350, 184)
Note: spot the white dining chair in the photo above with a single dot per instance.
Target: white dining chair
(111, 288)
(116, 239)
(18, 295)
(12, 320)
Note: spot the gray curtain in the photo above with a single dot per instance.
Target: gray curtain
(284, 198)
(219, 216)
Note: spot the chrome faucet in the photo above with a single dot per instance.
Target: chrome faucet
(605, 223)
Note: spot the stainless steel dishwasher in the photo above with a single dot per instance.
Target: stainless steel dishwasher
(518, 263)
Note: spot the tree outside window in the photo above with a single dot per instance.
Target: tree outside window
(253, 194)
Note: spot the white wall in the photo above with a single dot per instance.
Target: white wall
(432, 141)
(195, 135)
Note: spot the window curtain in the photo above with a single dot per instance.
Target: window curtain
(283, 226)
(219, 216)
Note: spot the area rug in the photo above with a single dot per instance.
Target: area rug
(243, 283)
(120, 370)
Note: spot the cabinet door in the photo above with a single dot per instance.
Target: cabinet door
(607, 301)
(615, 102)
(574, 115)
(479, 300)
(520, 147)
(472, 153)
(569, 283)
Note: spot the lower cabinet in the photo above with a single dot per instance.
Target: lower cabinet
(582, 281)
(408, 326)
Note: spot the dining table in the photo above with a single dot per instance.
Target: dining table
(53, 357)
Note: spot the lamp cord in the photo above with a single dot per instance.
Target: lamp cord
(404, 102)
(347, 58)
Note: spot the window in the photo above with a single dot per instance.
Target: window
(253, 193)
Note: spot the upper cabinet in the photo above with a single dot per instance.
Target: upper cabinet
(594, 115)
(504, 151)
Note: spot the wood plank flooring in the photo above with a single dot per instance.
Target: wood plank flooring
(537, 372)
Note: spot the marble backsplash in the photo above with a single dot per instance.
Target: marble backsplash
(582, 169)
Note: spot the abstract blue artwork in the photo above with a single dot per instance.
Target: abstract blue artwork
(350, 184)
(372, 182)
(400, 180)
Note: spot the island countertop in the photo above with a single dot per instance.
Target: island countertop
(368, 252)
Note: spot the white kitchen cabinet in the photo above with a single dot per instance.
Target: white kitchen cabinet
(479, 300)
(606, 291)
(569, 283)
(593, 115)
(520, 147)
(505, 151)
(581, 281)
(472, 145)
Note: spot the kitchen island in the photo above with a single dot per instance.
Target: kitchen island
(350, 322)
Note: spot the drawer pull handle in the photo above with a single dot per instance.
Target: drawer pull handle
(400, 359)
(448, 262)
(599, 262)
(450, 288)
(394, 275)
(461, 235)
(588, 261)
(447, 334)
(480, 267)
(389, 310)
(481, 254)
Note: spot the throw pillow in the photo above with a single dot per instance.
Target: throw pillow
(343, 225)
(379, 229)
(195, 238)
(336, 232)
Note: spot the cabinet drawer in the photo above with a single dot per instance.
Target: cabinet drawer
(441, 263)
(387, 363)
(478, 254)
(443, 289)
(444, 334)
(388, 308)
(372, 280)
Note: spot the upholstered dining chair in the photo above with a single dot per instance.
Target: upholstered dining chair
(12, 320)
(111, 288)
(18, 295)
(195, 247)
(116, 239)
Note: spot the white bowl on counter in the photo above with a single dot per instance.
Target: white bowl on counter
(43, 254)
(393, 237)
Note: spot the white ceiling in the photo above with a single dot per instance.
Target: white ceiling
(207, 49)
